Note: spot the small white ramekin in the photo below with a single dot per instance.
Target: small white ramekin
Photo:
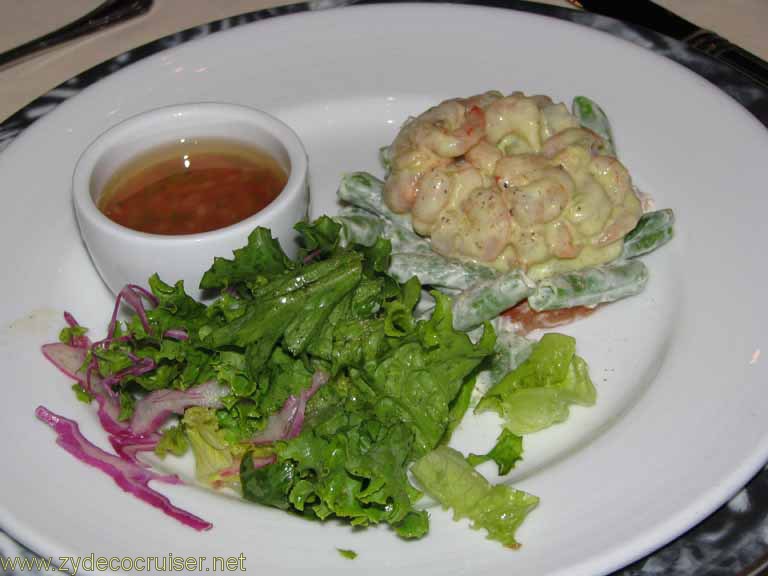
(125, 256)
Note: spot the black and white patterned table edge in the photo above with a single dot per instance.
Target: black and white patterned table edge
(732, 540)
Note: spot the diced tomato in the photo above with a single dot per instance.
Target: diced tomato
(528, 320)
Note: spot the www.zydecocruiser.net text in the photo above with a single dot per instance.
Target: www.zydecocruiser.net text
(151, 564)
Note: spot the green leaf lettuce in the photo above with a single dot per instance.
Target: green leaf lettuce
(499, 509)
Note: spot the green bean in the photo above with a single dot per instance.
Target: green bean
(385, 157)
(406, 241)
(590, 287)
(412, 255)
(359, 226)
(510, 351)
(487, 299)
(367, 192)
(436, 270)
(592, 116)
(363, 227)
(654, 229)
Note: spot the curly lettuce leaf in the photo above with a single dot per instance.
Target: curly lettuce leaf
(505, 453)
(213, 454)
(458, 408)
(418, 380)
(261, 256)
(320, 237)
(357, 473)
(388, 404)
(175, 308)
(81, 393)
(173, 441)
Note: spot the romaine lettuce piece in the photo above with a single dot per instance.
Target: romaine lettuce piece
(449, 478)
(539, 392)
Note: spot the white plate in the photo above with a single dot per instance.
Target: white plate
(680, 421)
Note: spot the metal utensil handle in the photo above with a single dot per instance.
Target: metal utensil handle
(724, 51)
(107, 13)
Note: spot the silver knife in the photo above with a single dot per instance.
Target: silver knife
(657, 18)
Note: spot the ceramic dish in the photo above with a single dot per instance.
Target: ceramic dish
(121, 254)
(679, 423)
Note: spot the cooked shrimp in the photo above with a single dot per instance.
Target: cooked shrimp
(625, 221)
(530, 245)
(484, 157)
(489, 222)
(431, 199)
(560, 239)
(575, 160)
(465, 179)
(516, 115)
(449, 228)
(400, 191)
(449, 130)
(543, 200)
(556, 118)
(482, 100)
(519, 170)
(572, 137)
(590, 209)
(613, 177)
(541, 100)
(408, 165)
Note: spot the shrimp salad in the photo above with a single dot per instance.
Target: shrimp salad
(507, 200)
(513, 182)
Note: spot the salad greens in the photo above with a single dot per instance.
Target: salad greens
(505, 453)
(393, 381)
(538, 393)
(312, 385)
(348, 554)
(309, 384)
(499, 509)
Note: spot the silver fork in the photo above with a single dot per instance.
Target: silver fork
(105, 14)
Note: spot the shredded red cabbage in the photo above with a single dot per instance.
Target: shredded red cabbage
(140, 366)
(260, 462)
(128, 446)
(176, 334)
(311, 256)
(70, 360)
(109, 414)
(78, 341)
(132, 294)
(287, 423)
(152, 411)
(67, 358)
(129, 476)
